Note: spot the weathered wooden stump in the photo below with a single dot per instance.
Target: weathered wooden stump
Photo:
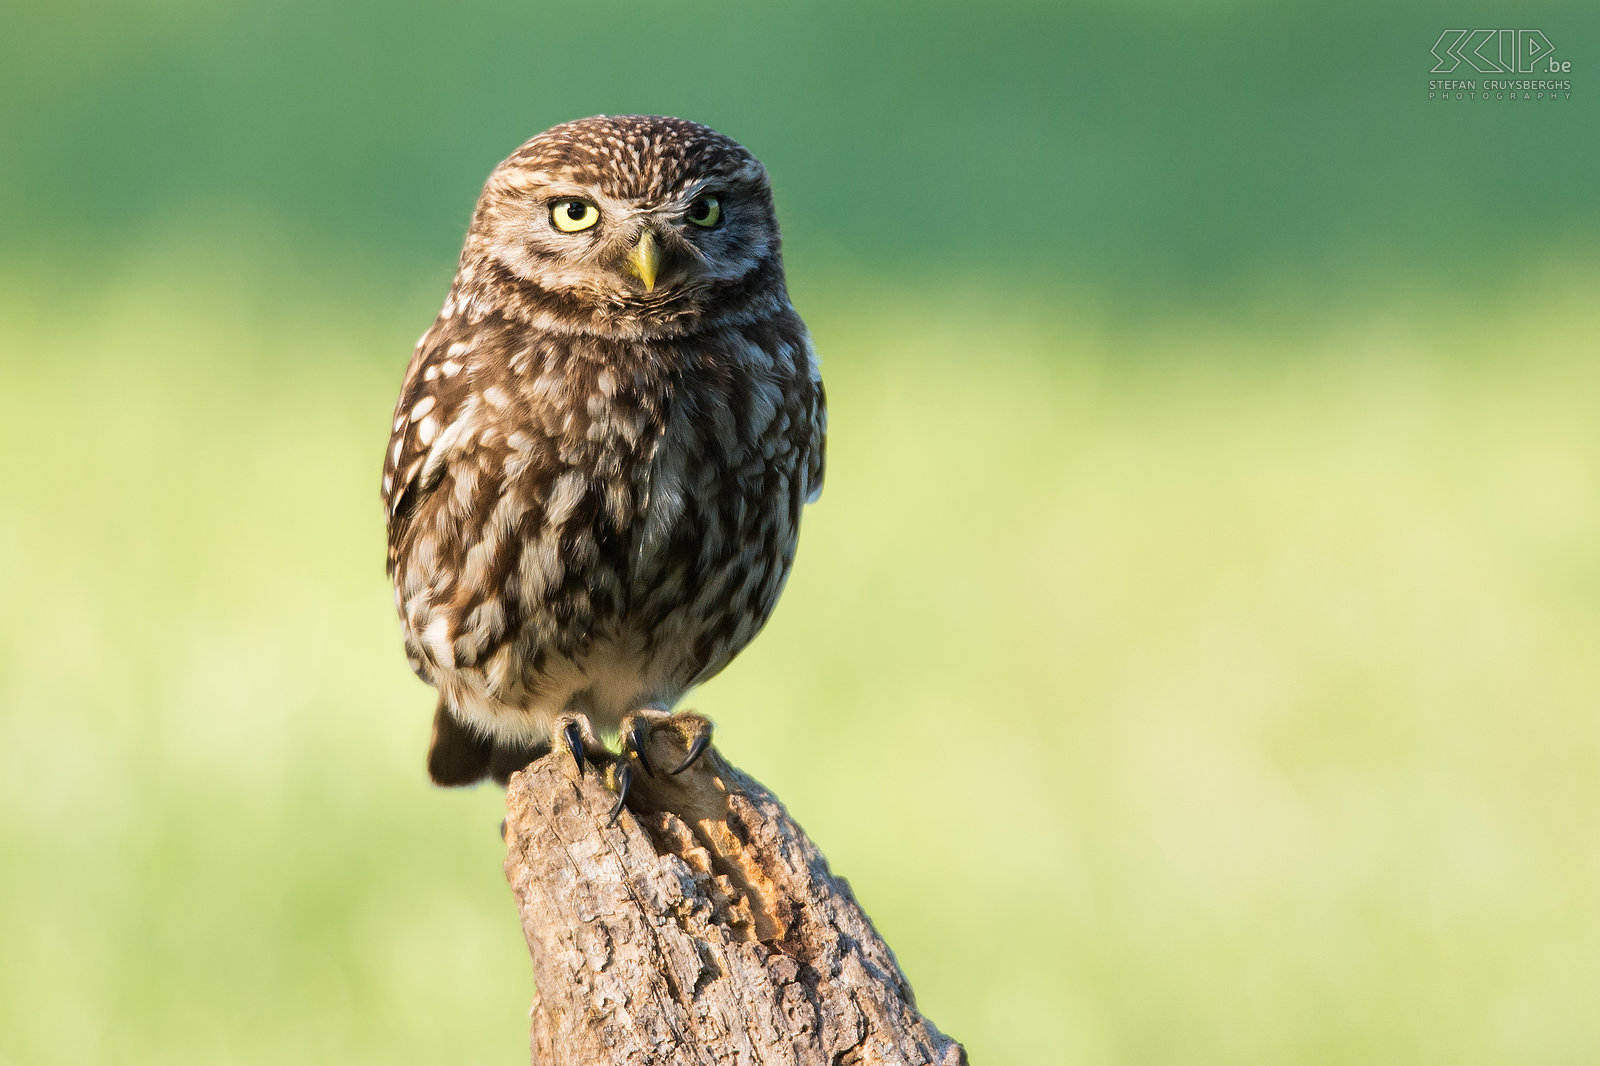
(703, 927)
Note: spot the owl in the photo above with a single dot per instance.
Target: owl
(601, 449)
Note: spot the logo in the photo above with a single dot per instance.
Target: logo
(1497, 52)
(1463, 54)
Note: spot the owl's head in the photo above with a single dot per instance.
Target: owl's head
(629, 225)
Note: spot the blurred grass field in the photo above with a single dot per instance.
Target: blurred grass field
(1201, 690)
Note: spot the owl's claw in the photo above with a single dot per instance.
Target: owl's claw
(697, 747)
(634, 739)
(624, 780)
(572, 735)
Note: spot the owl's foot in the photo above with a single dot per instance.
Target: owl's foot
(640, 730)
(645, 730)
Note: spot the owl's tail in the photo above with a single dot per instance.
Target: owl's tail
(458, 756)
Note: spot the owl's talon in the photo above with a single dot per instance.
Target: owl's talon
(634, 740)
(697, 747)
(624, 780)
(573, 736)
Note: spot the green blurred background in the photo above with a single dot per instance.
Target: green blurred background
(1192, 659)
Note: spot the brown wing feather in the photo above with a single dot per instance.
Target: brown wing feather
(817, 451)
(437, 387)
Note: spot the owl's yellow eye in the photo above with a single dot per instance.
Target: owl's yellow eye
(570, 216)
(705, 211)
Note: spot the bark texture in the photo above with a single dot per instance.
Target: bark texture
(703, 927)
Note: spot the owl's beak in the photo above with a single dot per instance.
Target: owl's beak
(645, 260)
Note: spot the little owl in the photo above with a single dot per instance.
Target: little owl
(601, 448)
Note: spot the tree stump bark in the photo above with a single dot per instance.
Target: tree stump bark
(703, 927)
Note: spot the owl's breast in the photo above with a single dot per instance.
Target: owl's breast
(717, 529)
(604, 523)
